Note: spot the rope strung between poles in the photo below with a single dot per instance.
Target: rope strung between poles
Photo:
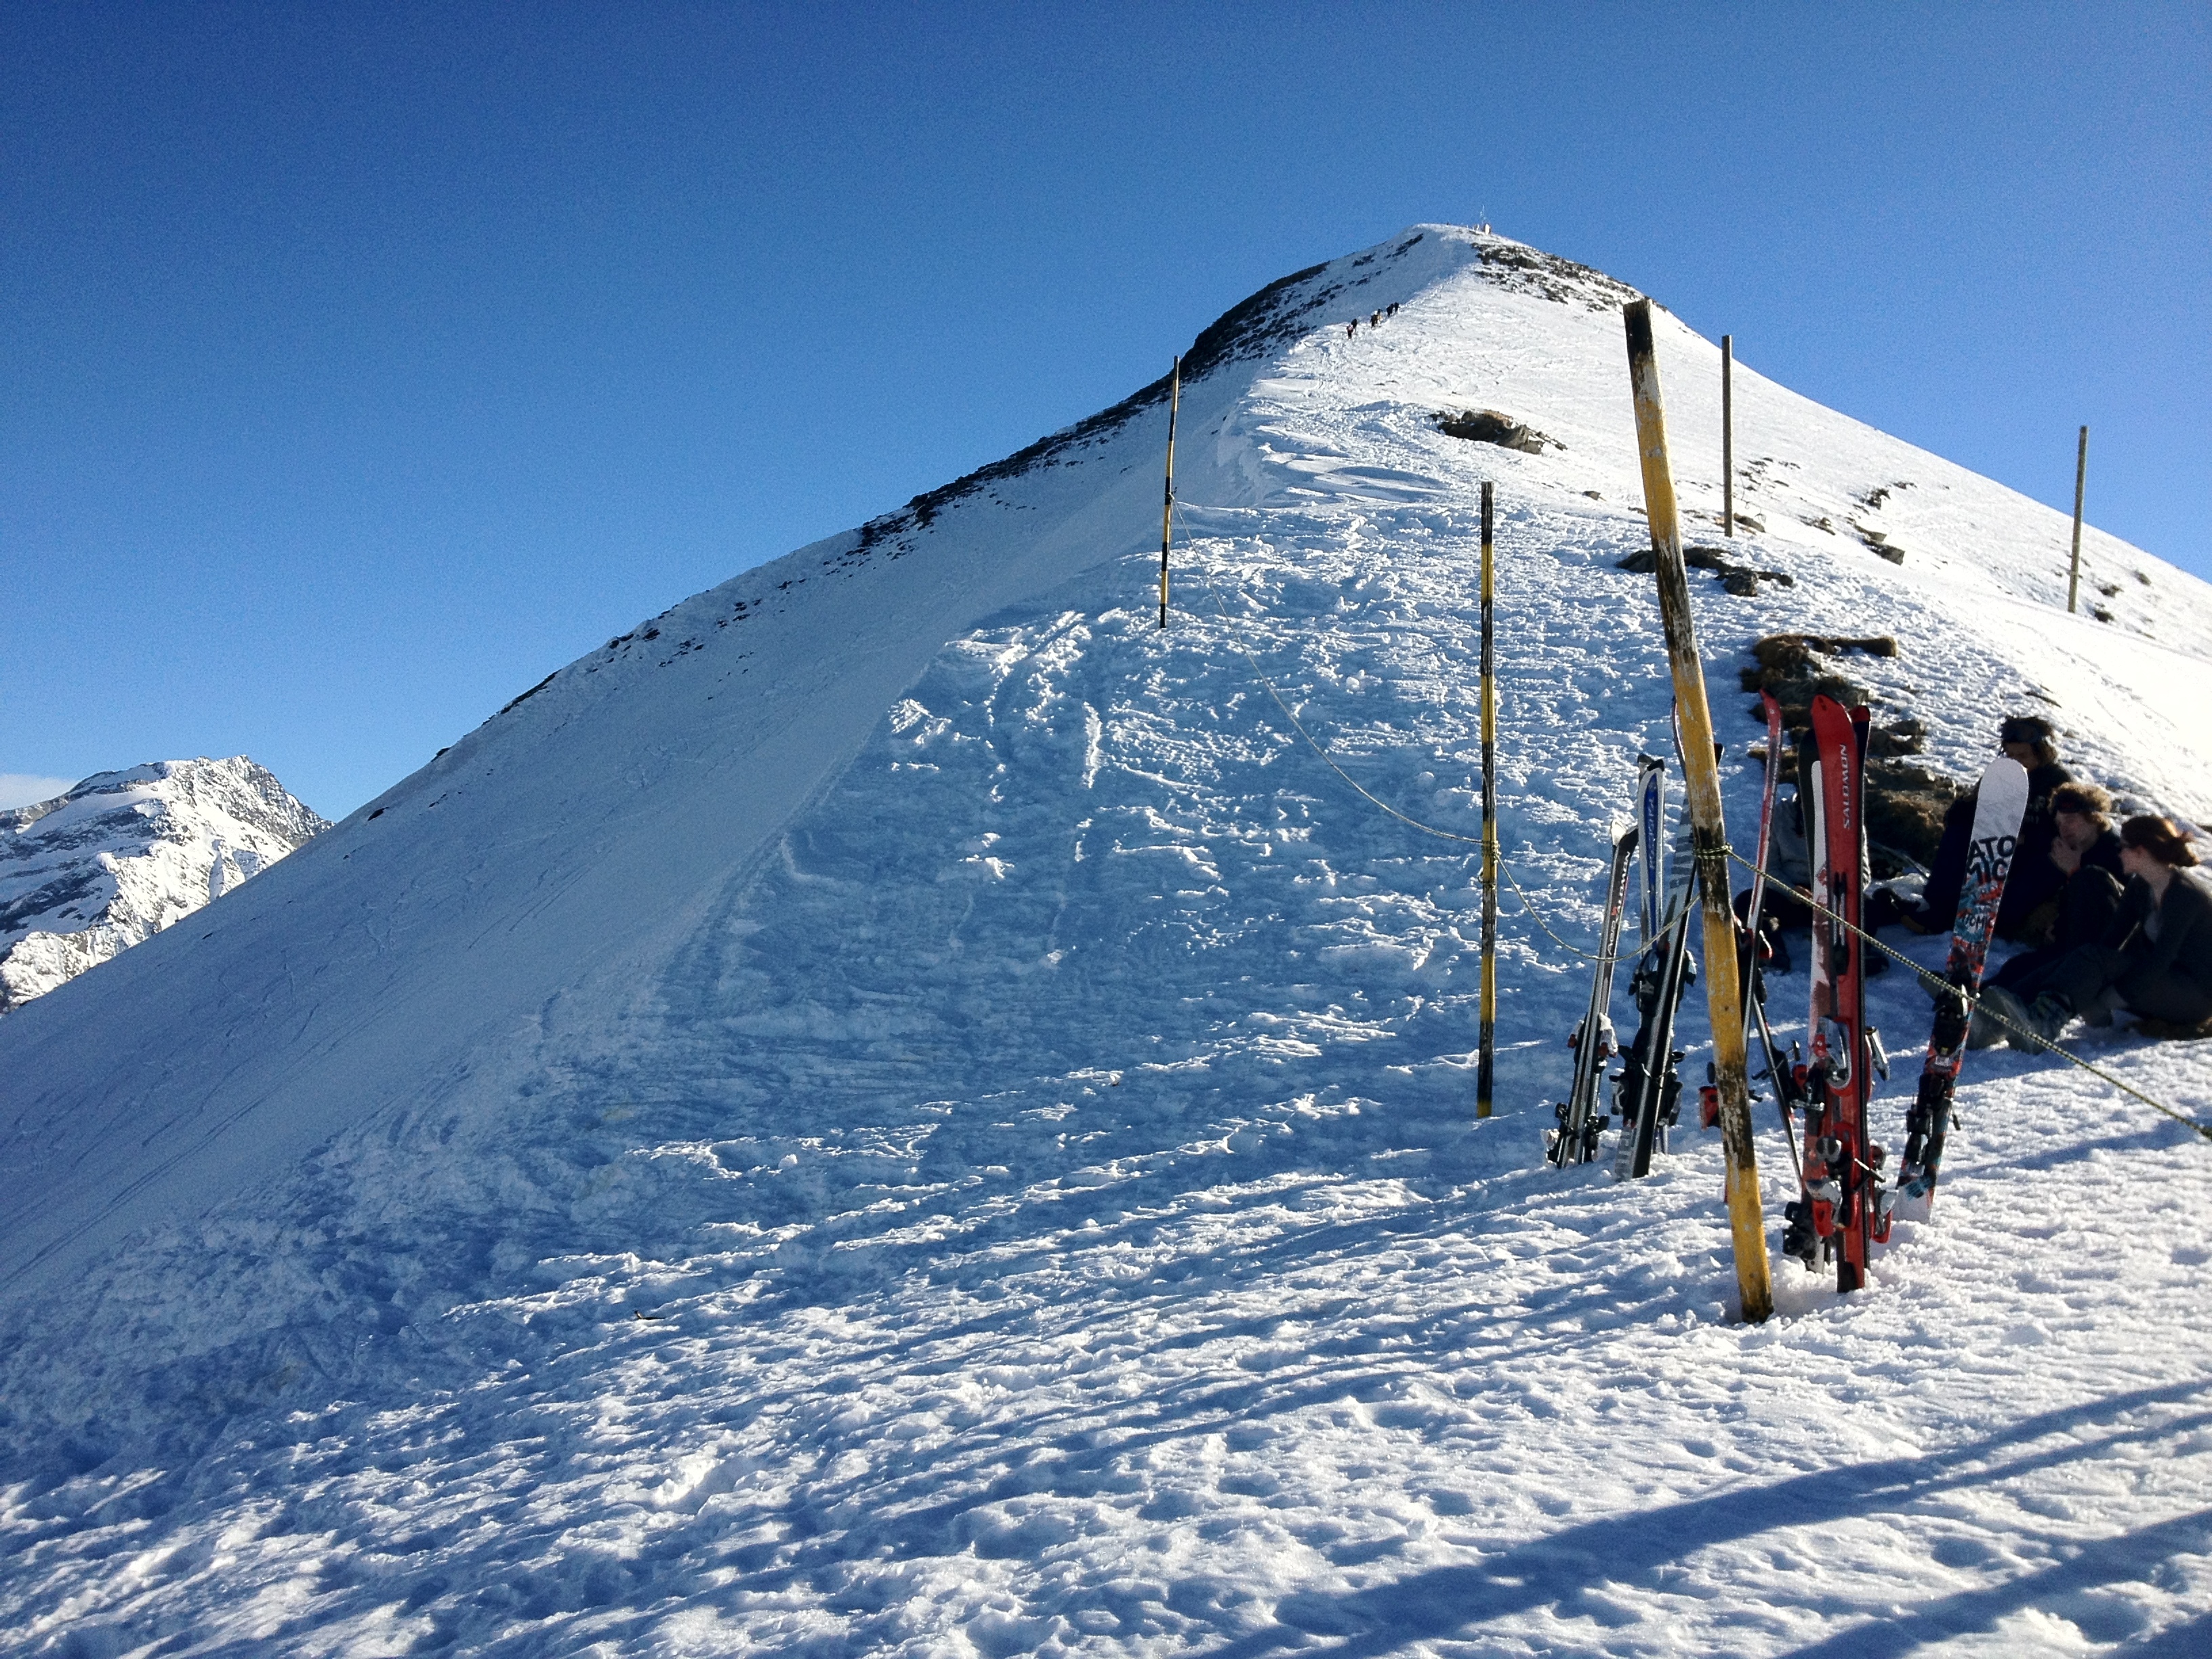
(1935, 981)
(1531, 912)
(1943, 987)
(1298, 725)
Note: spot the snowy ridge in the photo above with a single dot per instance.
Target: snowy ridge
(90, 873)
(898, 1107)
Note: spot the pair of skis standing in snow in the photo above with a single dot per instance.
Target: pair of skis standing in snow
(1647, 1091)
(1842, 1210)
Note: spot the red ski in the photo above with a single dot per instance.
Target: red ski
(1840, 1216)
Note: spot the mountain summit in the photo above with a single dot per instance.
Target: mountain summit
(110, 863)
(899, 1102)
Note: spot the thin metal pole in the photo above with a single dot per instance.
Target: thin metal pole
(1701, 774)
(2080, 477)
(1485, 1045)
(1167, 504)
(1727, 435)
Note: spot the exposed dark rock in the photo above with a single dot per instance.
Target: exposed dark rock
(1908, 736)
(1798, 667)
(1487, 426)
(1905, 801)
(1738, 579)
(1906, 804)
(1527, 270)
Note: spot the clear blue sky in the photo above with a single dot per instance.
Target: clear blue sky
(363, 364)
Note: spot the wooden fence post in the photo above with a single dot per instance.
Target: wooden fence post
(1727, 435)
(2080, 476)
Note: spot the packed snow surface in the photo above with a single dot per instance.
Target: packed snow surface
(110, 863)
(901, 1107)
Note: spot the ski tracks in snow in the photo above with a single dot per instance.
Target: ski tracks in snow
(1037, 1209)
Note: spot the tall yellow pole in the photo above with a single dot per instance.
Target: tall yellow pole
(1485, 1044)
(1167, 504)
(1708, 831)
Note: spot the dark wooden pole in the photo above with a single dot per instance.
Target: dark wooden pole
(1727, 435)
(2080, 477)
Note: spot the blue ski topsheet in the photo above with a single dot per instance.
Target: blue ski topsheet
(1651, 816)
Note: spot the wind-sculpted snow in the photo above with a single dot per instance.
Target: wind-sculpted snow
(900, 1107)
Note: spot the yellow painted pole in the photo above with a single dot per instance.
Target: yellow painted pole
(1486, 1042)
(1167, 505)
(1708, 831)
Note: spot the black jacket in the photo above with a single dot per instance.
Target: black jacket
(2184, 945)
(2034, 879)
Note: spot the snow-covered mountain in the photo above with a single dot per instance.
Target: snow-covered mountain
(90, 873)
(899, 1107)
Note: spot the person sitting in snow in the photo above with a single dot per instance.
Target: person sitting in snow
(2085, 851)
(2087, 854)
(2028, 739)
(2154, 961)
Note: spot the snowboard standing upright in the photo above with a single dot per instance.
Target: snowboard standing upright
(1840, 1212)
(1575, 1141)
(2000, 803)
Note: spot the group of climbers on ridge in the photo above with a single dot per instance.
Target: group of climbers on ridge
(1375, 321)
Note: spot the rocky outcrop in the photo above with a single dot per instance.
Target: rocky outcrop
(1487, 426)
(1905, 800)
(90, 873)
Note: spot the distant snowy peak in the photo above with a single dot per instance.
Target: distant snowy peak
(90, 873)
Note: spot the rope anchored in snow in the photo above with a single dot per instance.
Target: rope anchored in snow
(1942, 987)
(1260, 674)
